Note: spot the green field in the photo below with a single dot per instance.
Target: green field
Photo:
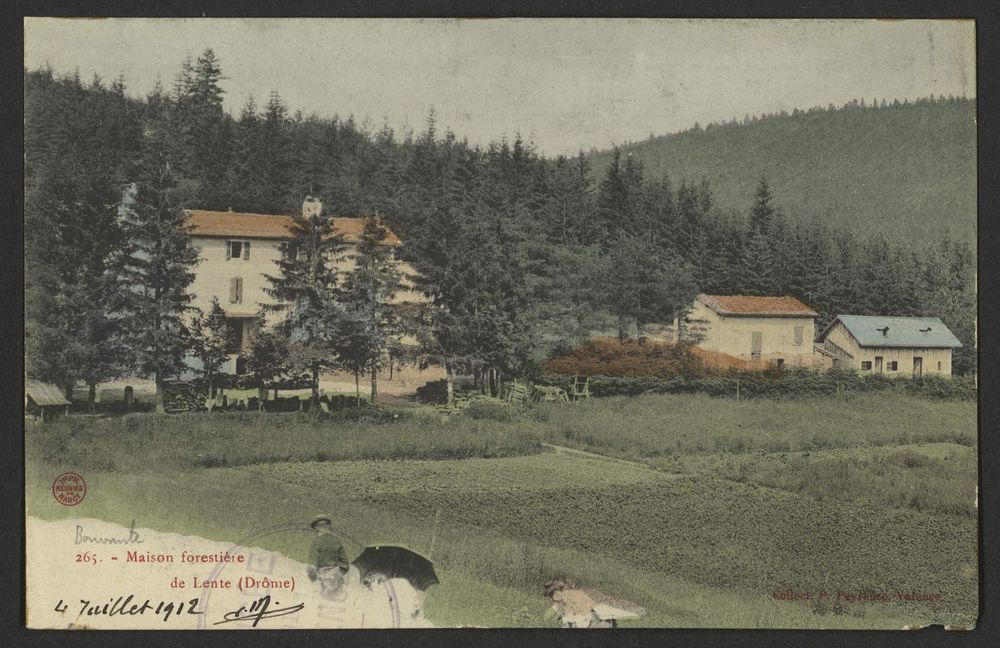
(697, 509)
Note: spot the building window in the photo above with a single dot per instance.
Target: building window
(939, 365)
(892, 366)
(238, 250)
(234, 335)
(866, 365)
(780, 362)
(798, 335)
(236, 290)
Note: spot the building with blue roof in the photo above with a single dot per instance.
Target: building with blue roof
(895, 346)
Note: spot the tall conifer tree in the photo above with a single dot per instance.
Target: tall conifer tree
(208, 341)
(369, 290)
(762, 212)
(81, 143)
(306, 291)
(157, 267)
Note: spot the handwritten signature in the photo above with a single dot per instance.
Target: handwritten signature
(259, 610)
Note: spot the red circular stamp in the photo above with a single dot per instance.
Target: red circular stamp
(69, 489)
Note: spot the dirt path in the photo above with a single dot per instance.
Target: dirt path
(593, 455)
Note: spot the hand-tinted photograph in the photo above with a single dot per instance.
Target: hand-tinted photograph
(425, 323)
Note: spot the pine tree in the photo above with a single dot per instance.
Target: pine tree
(157, 267)
(612, 197)
(948, 291)
(717, 271)
(567, 214)
(495, 313)
(205, 129)
(306, 291)
(441, 253)
(246, 174)
(635, 210)
(267, 358)
(689, 234)
(96, 351)
(208, 341)
(887, 279)
(662, 218)
(785, 251)
(758, 265)
(643, 285)
(762, 212)
(845, 294)
(369, 290)
(811, 265)
(467, 263)
(732, 231)
(388, 179)
(274, 156)
(80, 145)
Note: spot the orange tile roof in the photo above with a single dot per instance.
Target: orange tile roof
(265, 226)
(752, 305)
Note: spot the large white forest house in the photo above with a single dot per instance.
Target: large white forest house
(236, 250)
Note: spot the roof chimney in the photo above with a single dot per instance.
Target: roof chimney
(885, 331)
(311, 207)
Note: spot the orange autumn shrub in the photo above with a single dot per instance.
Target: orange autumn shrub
(608, 356)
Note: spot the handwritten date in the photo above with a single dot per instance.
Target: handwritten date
(128, 606)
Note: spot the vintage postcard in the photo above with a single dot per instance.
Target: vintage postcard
(581, 323)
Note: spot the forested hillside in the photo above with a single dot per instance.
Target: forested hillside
(903, 169)
(519, 255)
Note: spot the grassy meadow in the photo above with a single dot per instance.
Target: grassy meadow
(698, 509)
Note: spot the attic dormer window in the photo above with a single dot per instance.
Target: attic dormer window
(238, 250)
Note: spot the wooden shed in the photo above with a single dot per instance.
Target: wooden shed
(894, 346)
(44, 399)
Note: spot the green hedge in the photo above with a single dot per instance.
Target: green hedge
(488, 409)
(772, 384)
(435, 392)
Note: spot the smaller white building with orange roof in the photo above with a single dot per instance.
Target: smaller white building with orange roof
(763, 330)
